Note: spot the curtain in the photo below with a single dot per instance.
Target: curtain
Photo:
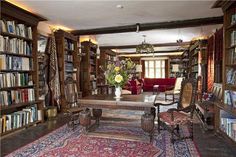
(53, 73)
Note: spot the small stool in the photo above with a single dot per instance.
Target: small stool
(155, 88)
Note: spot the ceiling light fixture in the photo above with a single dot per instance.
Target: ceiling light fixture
(145, 47)
(119, 6)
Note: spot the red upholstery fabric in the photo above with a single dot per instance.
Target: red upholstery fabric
(179, 118)
(164, 83)
(134, 87)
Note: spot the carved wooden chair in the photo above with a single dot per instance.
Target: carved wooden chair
(71, 96)
(183, 114)
(176, 89)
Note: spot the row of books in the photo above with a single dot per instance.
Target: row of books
(230, 98)
(233, 38)
(17, 29)
(19, 119)
(69, 67)
(15, 45)
(233, 19)
(231, 76)
(228, 125)
(16, 96)
(69, 45)
(69, 58)
(231, 56)
(8, 62)
(15, 79)
(112, 58)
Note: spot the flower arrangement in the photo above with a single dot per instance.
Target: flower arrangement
(118, 73)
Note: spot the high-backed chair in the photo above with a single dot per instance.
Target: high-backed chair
(71, 96)
(183, 114)
(176, 89)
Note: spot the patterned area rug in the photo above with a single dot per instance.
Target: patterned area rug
(65, 142)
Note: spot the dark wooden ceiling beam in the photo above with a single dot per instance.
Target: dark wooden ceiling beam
(151, 26)
(155, 45)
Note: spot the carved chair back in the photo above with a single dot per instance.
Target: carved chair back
(188, 95)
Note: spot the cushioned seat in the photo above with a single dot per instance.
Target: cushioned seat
(179, 118)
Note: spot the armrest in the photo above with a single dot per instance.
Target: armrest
(163, 103)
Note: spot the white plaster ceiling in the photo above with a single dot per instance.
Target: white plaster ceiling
(86, 14)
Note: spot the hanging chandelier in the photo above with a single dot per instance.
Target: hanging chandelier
(144, 47)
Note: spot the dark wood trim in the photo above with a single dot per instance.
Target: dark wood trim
(224, 4)
(16, 12)
(155, 45)
(150, 26)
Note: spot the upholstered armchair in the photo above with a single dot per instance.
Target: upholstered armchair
(183, 114)
(71, 96)
(175, 90)
(135, 86)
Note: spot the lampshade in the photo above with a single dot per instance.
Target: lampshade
(138, 68)
(175, 67)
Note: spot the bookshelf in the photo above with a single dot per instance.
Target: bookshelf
(67, 53)
(185, 63)
(226, 111)
(19, 104)
(106, 57)
(42, 41)
(198, 64)
(88, 68)
(177, 62)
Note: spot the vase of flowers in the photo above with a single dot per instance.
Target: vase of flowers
(118, 73)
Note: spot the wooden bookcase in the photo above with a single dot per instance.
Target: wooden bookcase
(198, 64)
(68, 61)
(106, 57)
(88, 68)
(226, 111)
(185, 63)
(176, 61)
(19, 104)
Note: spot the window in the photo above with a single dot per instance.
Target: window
(155, 69)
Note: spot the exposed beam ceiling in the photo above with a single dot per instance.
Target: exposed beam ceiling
(155, 45)
(151, 26)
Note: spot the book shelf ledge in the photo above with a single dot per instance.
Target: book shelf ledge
(233, 26)
(230, 109)
(230, 65)
(15, 54)
(25, 126)
(231, 47)
(15, 36)
(16, 105)
(20, 71)
(69, 50)
(16, 87)
(230, 86)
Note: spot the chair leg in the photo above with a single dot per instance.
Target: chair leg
(191, 130)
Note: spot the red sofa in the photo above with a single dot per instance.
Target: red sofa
(164, 84)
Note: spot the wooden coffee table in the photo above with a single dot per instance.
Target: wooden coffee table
(128, 102)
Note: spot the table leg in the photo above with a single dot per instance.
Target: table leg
(158, 117)
(147, 124)
(97, 113)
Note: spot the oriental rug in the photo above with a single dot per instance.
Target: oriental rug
(65, 142)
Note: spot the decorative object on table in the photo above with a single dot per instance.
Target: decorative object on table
(145, 47)
(118, 73)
